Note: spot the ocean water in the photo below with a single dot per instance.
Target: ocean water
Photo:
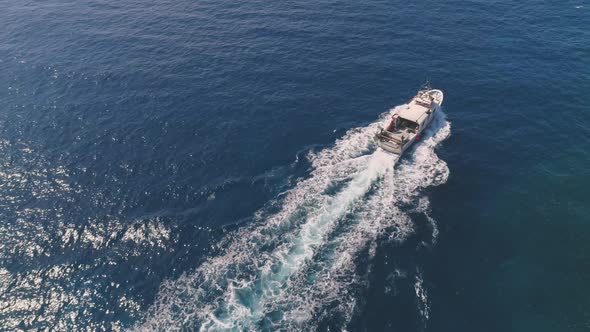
(209, 165)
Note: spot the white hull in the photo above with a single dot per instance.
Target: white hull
(408, 125)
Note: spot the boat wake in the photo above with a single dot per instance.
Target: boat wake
(297, 261)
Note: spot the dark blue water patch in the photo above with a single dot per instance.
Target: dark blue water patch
(390, 300)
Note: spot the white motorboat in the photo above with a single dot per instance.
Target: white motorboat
(407, 124)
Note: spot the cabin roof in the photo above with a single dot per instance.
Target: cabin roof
(415, 113)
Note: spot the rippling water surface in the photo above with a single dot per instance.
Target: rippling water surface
(209, 165)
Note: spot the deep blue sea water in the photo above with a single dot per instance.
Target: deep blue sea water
(185, 165)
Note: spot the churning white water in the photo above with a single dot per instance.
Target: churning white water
(285, 267)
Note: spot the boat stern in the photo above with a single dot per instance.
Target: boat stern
(389, 142)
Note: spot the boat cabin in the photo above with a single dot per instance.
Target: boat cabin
(406, 124)
(410, 119)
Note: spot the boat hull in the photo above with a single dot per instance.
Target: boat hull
(390, 142)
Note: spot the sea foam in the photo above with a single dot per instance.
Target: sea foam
(284, 268)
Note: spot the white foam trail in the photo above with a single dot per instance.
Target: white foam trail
(380, 214)
(282, 269)
(286, 260)
(422, 297)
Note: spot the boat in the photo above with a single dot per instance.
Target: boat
(408, 123)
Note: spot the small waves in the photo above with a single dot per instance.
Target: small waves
(296, 260)
(58, 262)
